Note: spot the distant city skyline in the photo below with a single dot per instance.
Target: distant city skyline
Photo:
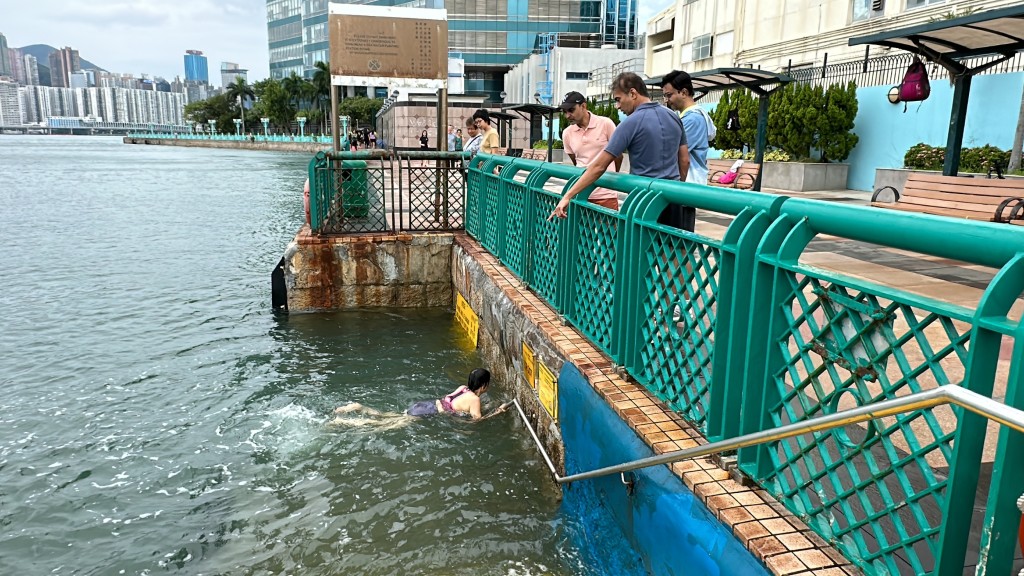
(226, 31)
(150, 37)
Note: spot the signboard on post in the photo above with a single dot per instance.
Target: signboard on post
(375, 45)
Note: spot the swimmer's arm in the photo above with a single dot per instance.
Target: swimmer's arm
(500, 409)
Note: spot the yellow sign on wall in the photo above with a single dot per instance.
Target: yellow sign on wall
(466, 318)
(547, 390)
(529, 366)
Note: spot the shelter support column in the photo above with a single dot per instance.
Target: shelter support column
(762, 137)
(957, 121)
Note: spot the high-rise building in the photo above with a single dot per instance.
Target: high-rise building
(31, 70)
(229, 71)
(5, 58)
(490, 35)
(10, 104)
(63, 63)
(17, 63)
(196, 68)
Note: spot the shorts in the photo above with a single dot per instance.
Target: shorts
(612, 203)
(677, 216)
(423, 408)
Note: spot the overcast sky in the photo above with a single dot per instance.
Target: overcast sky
(151, 36)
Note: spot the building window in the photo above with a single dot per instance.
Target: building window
(864, 9)
(702, 47)
(577, 75)
(920, 3)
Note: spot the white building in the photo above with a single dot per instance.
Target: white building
(38, 103)
(697, 35)
(10, 104)
(548, 76)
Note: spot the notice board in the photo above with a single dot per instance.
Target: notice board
(388, 42)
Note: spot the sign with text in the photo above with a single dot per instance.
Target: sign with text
(529, 366)
(547, 390)
(387, 43)
(466, 318)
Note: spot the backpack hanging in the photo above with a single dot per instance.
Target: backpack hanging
(915, 86)
(732, 121)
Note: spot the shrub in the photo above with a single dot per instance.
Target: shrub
(804, 118)
(835, 126)
(543, 145)
(769, 156)
(921, 156)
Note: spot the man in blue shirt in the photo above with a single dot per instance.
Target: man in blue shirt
(652, 134)
(678, 90)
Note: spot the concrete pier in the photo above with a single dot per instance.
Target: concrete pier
(306, 147)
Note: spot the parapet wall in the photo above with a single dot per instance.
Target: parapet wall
(308, 147)
(367, 271)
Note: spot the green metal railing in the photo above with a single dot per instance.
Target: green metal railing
(739, 335)
(379, 191)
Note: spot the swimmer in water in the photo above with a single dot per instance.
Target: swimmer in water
(463, 401)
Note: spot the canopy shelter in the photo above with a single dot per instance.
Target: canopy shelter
(760, 82)
(998, 33)
(504, 122)
(533, 113)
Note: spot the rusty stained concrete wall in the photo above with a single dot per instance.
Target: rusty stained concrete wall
(503, 329)
(368, 271)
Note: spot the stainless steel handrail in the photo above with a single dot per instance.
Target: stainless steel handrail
(950, 394)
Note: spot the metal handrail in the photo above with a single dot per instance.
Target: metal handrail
(949, 394)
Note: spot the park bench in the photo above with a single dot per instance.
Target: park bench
(744, 180)
(985, 199)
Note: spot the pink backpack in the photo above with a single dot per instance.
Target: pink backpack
(915, 86)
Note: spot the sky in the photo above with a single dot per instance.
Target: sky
(151, 36)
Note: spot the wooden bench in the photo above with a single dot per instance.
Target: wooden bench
(991, 200)
(744, 180)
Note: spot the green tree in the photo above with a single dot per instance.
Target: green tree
(726, 139)
(295, 86)
(220, 108)
(321, 82)
(360, 109)
(835, 137)
(239, 91)
(274, 102)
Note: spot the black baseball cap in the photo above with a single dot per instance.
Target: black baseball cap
(571, 100)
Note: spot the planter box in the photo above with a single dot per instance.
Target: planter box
(897, 177)
(557, 155)
(801, 177)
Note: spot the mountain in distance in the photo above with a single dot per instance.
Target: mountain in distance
(42, 54)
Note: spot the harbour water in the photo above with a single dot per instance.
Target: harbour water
(156, 417)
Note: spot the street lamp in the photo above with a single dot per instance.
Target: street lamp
(503, 95)
(213, 128)
(266, 122)
(536, 96)
(302, 126)
(238, 126)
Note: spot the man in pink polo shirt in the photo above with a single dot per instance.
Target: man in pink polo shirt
(584, 140)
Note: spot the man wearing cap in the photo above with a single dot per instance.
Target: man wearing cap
(654, 136)
(678, 90)
(584, 140)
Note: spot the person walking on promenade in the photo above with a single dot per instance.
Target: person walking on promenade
(585, 139)
(678, 90)
(651, 133)
(490, 142)
(423, 140)
(457, 145)
(451, 138)
(373, 139)
(475, 138)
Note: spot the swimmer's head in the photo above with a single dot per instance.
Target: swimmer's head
(478, 379)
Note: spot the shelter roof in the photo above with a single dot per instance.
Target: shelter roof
(998, 31)
(754, 79)
(531, 109)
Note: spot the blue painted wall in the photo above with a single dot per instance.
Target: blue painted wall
(886, 131)
(669, 531)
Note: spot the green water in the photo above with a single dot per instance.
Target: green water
(157, 418)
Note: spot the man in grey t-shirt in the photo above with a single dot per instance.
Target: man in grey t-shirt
(651, 133)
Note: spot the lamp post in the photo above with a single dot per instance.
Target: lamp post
(302, 126)
(238, 126)
(191, 127)
(213, 128)
(266, 122)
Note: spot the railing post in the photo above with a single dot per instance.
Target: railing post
(999, 531)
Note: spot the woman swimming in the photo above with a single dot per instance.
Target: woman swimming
(463, 401)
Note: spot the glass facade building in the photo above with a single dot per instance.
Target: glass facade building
(491, 35)
(196, 68)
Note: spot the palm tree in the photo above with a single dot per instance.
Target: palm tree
(240, 92)
(322, 86)
(293, 85)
